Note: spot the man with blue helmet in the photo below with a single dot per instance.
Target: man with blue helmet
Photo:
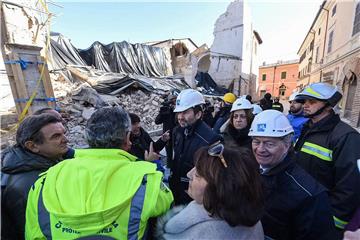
(328, 149)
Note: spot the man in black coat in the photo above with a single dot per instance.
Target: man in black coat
(141, 140)
(166, 117)
(266, 102)
(296, 206)
(191, 134)
(40, 144)
(328, 149)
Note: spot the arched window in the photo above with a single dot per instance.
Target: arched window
(282, 90)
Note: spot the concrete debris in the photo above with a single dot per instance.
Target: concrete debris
(78, 100)
(87, 112)
(109, 99)
(87, 94)
(146, 105)
(76, 112)
(75, 133)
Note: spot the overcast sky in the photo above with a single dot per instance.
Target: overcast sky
(282, 24)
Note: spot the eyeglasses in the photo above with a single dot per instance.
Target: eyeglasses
(242, 116)
(216, 150)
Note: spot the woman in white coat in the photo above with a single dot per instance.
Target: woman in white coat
(228, 200)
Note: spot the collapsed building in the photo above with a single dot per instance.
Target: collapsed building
(45, 69)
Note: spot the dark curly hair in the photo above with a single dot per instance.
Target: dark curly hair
(249, 117)
(30, 128)
(233, 194)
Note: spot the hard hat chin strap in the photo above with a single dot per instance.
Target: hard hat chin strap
(318, 111)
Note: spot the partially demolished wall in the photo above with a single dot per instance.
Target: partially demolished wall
(133, 76)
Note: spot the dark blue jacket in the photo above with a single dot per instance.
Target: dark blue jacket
(221, 117)
(296, 206)
(186, 142)
(297, 122)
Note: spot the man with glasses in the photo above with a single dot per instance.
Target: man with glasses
(191, 134)
(296, 206)
(328, 149)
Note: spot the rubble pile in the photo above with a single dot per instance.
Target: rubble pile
(146, 105)
(82, 101)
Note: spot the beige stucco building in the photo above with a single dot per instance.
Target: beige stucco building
(330, 53)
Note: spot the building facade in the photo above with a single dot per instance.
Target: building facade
(278, 79)
(330, 53)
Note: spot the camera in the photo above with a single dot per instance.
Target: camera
(208, 108)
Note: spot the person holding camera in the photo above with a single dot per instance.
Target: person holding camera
(166, 117)
(208, 117)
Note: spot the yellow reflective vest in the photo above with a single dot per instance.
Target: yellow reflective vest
(101, 192)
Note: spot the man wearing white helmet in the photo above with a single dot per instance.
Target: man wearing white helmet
(296, 116)
(296, 206)
(328, 150)
(191, 134)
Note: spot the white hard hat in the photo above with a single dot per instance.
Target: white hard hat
(293, 96)
(257, 109)
(270, 123)
(322, 92)
(242, 97)
(241, 103)
(188, 98)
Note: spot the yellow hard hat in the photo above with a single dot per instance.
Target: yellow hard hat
(229, 98)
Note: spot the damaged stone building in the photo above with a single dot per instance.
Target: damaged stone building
(134, 76)
(234, 52)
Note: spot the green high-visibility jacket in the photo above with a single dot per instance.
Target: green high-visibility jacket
(100, 192)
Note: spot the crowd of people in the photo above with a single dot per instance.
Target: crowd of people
(241, 171)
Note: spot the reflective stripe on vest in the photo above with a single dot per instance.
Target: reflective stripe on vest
(43, 215)
(339, 223)
(317, 151)
(136, 207)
